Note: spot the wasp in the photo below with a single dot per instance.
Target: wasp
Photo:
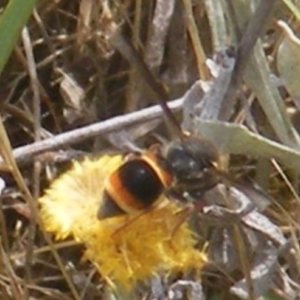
(186, 165)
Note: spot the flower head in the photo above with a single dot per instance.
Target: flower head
(125, 249)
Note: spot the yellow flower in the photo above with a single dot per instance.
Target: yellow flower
(124, 249)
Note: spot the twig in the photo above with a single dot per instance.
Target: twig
(25, 153)
(36, 171)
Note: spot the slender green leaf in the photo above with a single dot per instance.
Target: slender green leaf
(13, 19)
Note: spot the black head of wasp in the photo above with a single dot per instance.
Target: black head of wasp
(187, 164)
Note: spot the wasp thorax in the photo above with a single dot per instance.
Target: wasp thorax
(194, 162)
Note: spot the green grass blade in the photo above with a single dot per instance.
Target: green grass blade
(13, 19)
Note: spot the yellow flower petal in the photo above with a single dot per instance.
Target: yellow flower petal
(124, 249)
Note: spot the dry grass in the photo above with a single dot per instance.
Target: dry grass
(83, 62)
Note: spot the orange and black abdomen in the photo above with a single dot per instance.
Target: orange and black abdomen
(134, 186)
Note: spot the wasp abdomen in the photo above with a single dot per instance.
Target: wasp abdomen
(134, 186)
(141, 181)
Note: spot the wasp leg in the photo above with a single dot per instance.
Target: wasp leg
(132, 220)
(182, 216)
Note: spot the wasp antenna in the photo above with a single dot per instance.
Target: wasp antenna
(127, 49)
(172, 123)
